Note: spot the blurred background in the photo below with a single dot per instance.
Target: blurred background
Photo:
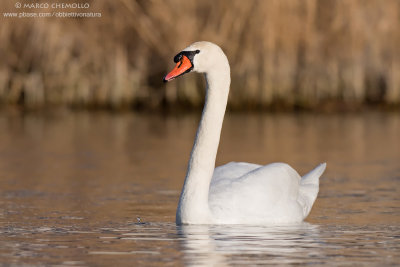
(309, 54)
(94, 146)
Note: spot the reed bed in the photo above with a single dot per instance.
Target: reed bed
(283, 53)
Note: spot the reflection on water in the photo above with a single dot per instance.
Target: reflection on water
(73, 184)
(219, 245)
(305, 244)
(167, 244)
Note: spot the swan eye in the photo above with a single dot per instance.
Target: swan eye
(178, 58)
(197, 51)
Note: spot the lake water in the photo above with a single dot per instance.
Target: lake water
(79, 189)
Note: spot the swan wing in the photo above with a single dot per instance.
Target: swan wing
(257, 194)
(232, 170)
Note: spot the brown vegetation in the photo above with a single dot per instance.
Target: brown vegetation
(282, 52)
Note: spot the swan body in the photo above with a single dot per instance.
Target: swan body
(237, 192)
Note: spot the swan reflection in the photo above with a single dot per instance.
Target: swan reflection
(218, 245)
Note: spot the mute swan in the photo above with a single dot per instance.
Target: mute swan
(237, 192)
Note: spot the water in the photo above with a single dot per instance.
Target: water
(101, 189)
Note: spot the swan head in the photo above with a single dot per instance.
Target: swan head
(200, 57)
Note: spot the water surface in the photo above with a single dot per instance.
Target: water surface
(101, 189)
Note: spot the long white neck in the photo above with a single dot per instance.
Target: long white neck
(193, 203)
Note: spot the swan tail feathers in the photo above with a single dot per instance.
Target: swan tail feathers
(309, 187)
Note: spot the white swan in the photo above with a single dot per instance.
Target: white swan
(235, 193)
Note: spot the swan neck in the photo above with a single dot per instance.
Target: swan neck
(193, 204)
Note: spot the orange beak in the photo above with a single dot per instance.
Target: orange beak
(183, 66)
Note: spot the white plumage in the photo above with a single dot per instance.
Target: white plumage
(237, 192)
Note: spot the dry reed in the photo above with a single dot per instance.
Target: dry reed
(282, 52)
